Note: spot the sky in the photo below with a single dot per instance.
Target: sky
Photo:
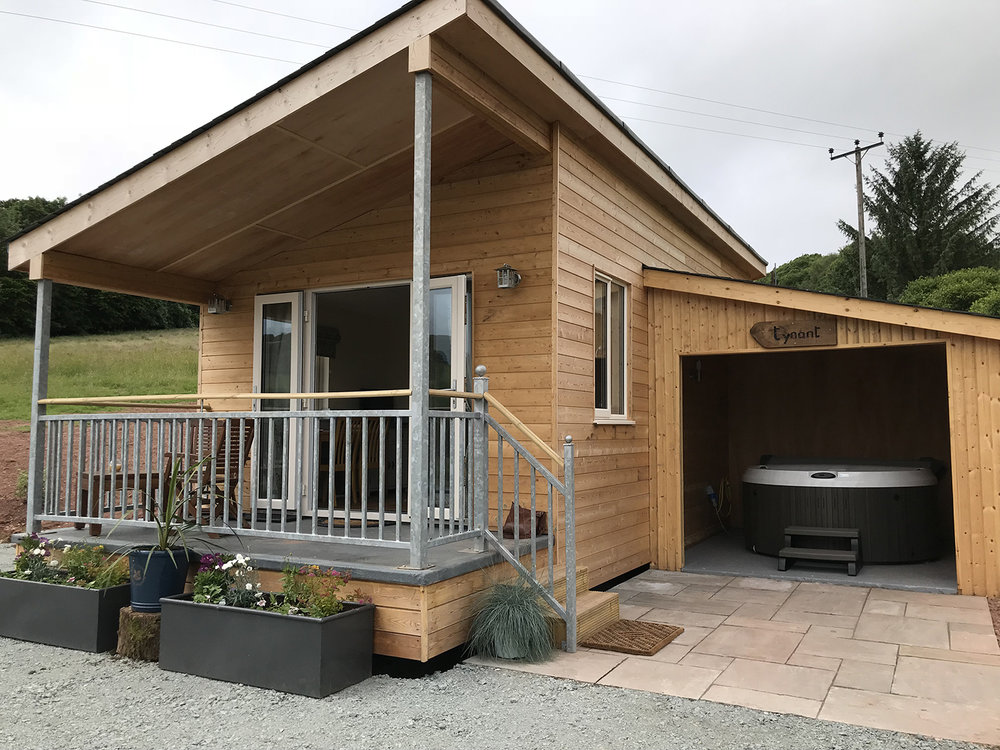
(741, 98)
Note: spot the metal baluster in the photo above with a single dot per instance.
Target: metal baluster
(399, 476)
(381, 477)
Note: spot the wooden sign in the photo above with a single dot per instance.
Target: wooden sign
(782, 334)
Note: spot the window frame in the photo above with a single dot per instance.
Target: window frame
(607, 413)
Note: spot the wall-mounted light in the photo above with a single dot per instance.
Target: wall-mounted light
(507, 277)
(219, 304)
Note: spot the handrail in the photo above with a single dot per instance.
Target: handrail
(491, 399)
(227, 396)
(195, 397)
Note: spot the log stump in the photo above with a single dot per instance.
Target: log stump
(139, 634)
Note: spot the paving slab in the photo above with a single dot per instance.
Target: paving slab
(782, 704)
(779, 679)
(876, 678)
(903, 713)
(902, 630)
(750, 643)
(952, 682)
(660, 677)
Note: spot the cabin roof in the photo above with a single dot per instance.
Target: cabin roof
(878, 311)
(332, 140)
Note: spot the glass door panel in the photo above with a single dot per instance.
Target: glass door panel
(277, 354)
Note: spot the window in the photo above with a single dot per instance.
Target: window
(610, 348)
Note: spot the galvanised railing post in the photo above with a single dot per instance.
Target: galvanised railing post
(420, 322)
(39, 390)
(569, 535)
(481, 458)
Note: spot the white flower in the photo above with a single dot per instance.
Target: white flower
(249, 569)
(249, 587)
(227, 565)
(67, 548)
(293, 610)
(54, 563)
(39, 551)
(240, 559)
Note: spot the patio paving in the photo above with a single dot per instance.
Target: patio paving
(909, 661)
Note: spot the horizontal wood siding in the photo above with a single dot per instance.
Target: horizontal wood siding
(607, 225)
(968, 426)
(498, 213)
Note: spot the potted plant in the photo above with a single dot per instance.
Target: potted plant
(309, 639)
(511, 624)
(160, 569)
(63, 595)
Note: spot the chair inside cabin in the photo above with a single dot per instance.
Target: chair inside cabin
(228, 443)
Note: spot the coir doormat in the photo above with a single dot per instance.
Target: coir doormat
(633, 637)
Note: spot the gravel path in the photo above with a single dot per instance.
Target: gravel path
(53, 699)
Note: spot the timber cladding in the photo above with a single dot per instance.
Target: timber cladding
(892, 389)
(423, 621)
(606, 224)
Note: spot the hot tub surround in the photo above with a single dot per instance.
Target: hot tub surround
(893, 504)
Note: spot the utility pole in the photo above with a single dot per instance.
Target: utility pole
(858, 152)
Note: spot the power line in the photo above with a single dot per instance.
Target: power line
(204, 23)
(721, 117)
(604, 80)
(724, 132)
(764, 111)
(721, 103)
(148, 36)
(284, 15)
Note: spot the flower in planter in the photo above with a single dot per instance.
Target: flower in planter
(309, 590)
(81, 565)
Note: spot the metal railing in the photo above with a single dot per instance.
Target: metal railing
(539, 487)
(330, 475)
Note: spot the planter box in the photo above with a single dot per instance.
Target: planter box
(290, 653)
(66, 616)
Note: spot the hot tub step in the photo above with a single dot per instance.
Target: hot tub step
(790, 553)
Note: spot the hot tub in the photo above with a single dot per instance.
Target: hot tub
(893, 505)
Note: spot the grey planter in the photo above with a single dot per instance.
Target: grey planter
(290, 653)
(66, 616)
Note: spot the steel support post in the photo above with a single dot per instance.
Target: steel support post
(39, 390)
(481, 459)
(570, 536)
(420, 321)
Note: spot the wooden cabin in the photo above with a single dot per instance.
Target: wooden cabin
(441, 179)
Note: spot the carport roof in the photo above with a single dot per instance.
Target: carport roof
(332, 141)
(910, 316)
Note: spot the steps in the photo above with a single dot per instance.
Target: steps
(594, 609)
(790, 552)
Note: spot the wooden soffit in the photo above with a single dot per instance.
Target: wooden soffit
(964, 324)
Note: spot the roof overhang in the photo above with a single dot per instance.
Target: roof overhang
(908, 316)
(331, 142)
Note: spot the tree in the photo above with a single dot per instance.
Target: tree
(74, 310)
(805, 272)
(968, 289)
(925, 222)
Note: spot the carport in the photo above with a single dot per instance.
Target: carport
(740, 370)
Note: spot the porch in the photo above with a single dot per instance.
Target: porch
(329, 487)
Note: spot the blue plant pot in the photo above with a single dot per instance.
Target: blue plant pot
(154, 574)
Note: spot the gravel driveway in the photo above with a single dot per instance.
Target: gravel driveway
(55, 699)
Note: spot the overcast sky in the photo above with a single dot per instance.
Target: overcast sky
(79, 105)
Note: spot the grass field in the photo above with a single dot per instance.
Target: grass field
(145, 362)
